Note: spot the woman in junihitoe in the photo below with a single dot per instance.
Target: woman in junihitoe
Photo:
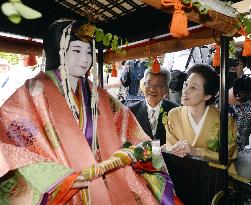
(193, 129)
(48, 123)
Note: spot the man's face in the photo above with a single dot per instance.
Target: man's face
(154, 88)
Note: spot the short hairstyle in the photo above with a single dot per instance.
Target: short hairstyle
(163, 72)
(211, 85)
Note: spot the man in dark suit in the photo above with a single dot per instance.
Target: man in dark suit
(151, 111)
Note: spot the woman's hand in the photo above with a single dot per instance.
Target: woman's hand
(80, 182)
(183, 148)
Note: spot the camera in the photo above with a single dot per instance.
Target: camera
(242, 88)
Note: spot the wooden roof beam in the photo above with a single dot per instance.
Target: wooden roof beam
(20, 46)
(213, 19)
(199, 36)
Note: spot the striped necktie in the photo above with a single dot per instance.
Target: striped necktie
(153, 122)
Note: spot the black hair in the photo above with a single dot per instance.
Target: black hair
(52, 40)
(211, 85)
(242, 59)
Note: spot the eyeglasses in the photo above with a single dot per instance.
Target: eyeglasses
(150, 85)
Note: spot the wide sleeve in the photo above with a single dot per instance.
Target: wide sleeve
(27, 184)
(171, 136)
(232, 145)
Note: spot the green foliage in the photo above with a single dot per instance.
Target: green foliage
(121, 52)
(149, 62)
(107, 38)
(247, 24)
(110, 40)
(99, 34)
(127, 144)
(201, 8)
(107, 68)
(143, 152)
(114, 42)
(232, 49)
(243, 21)
(186, 1)
(138, 153)
(12, 58)
(147, 145)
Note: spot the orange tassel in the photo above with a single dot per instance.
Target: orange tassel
(247, 47)
(216, 60)
(114, 72)
(30, 60)
(179, 20)
(179, 24)
(155, 66)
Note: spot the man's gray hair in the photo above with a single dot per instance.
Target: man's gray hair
(163, 72)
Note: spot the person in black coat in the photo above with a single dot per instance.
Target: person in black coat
(131, 76)
(151, 112)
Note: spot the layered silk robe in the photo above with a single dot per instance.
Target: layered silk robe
(38, 128)
(179, 128)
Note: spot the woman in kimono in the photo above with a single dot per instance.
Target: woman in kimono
(193, 129)
(46, 136)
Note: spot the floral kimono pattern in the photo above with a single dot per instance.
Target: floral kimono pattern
(178, 128)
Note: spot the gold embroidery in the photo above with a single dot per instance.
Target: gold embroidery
(115, 104)
(52, 135)
(218, 166)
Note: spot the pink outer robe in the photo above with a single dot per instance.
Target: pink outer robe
(36, 125)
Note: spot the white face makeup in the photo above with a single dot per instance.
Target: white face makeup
(78, 58)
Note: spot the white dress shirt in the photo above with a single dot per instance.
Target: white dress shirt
(155, 116)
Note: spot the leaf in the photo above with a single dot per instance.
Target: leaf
(118, 51)
(114, 43)
(107, 38)
(147, 144)
(8, 9)
(15, 19)
(27, 12)
(123, 52)
(120, 40)
(186, 1)
(247, 25)
(127, 144)
(99, 34)
(126, 42)
(138, 153)
(202, 8)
